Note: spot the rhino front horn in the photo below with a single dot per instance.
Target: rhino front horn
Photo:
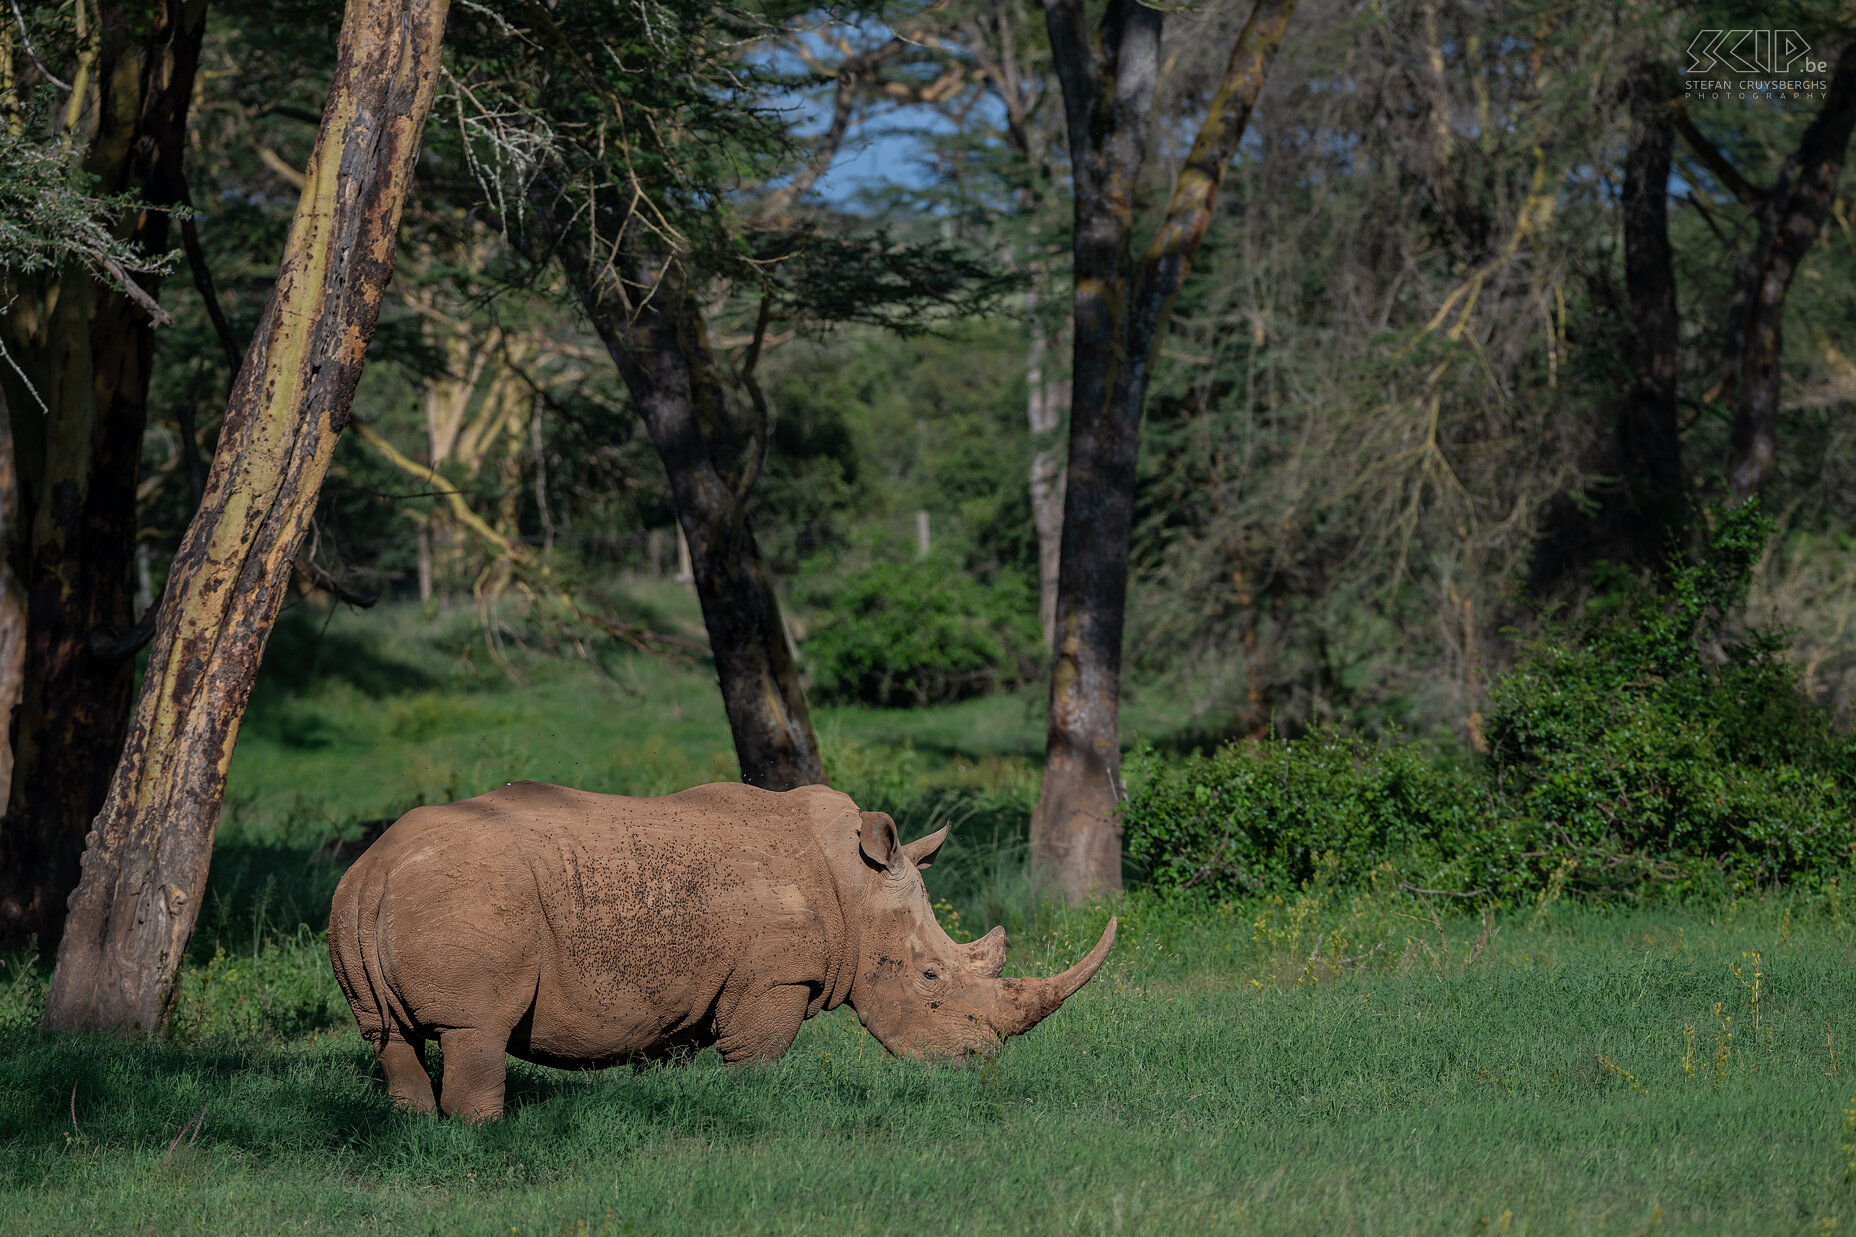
(1023, 1003)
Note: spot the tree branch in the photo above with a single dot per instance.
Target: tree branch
(104, 643)
(203, 280)
(762, 432)
(442, 486)
(25, 39)
(129, 288)
(1189, 214)
(850, 76)
(320, 578)
(1712, 158)
(1079, 72)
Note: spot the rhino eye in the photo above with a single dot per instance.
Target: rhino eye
(930, 975)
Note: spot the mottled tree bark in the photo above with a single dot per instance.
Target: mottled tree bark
(1649, 436)
(146, 858)
(1790, 214)
(12, 602)
(86, 350)
(662, 352)
(1120, 310)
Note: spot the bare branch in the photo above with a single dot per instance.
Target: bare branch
(203, 280)
(442, 486)
(762, 430)
(133, 291)
(851, 76)
(1718, 163)
(38, 64)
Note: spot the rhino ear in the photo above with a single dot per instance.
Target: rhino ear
(876, 837)
(921, 851)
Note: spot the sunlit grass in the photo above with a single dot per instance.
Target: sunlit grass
(1545, 1077)
(1344, 1060)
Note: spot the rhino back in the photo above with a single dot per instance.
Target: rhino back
(614, 924)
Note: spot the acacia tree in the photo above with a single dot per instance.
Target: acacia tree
(146, 858)
(1788, 215)
(999, 47)
(662, 228)
(579, 169)
(79, 338)
(661, 348)
(1121, 305)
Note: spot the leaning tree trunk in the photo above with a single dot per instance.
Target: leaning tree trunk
(662, 352)
(86, 351)
(1649, 438)
(1121, 308)
(146, 858)
(1790, 216)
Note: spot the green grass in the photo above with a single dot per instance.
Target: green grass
(359, 716)
(1325, 1064)
(1194, 1086)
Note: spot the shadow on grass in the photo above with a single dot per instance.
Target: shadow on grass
(322, 1098)
(262, 1099)
(304, 649)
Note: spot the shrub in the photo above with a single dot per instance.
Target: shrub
(1256, 818)
(919, 633)
(1641, 747)
(1645, 744)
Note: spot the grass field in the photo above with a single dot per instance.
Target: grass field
(1327, 1065)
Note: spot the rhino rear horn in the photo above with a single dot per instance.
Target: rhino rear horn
(1023, 1003)
(987, 954)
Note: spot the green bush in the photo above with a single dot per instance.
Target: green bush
(1256, 818)
(919, 633)
(1646, 744)
(1640, 748)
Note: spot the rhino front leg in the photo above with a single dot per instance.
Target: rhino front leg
(761, 1028)
(475, 1069)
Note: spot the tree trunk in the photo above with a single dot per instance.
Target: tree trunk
(86, 350)
(1790, 216)
(1120, 311)
(662, 350)
(1649, 438)
(146, 858)
(12, 602)
(1046, 403)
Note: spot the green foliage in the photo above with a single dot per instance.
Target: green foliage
(1644, 741)
(50, 214)
(1641, 747)
(1256, 819)
(50, 217)
(920, 633)
(283, 988)
(873, 426)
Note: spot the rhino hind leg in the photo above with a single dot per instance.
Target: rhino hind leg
(762, 1028)
(471, 1088)
(410, 1086)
